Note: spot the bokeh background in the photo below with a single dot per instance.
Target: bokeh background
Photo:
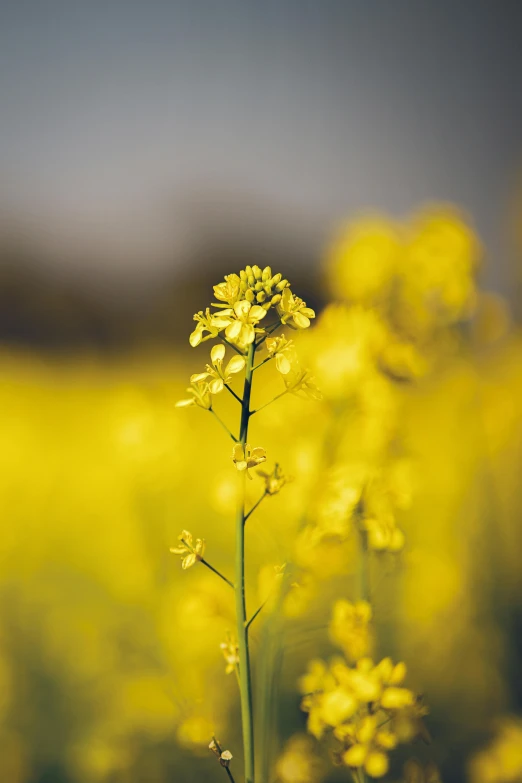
(147, 149)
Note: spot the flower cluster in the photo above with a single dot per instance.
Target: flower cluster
(243, 301)
(365, 705)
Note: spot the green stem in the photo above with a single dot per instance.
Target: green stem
(241, 614)
(207, 564)
(256, 504)
(269, 402)
(364, 576)
(232, 392)
(268, 359)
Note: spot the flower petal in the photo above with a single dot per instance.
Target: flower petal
(236, 364)
(217, 354)
(256, 313)
(301, 320)
(282, 364)
(188, 561)
(185, 403)
(199, 376)
(233, 330)
(242, 308)
(216, 386)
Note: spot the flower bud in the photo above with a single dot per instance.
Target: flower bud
(267, 274)
(248, 270)
(280, 286)
(258, 286)
(243, 275)
(276, 299)
(243, 286)
(257, 272)
(249, 295)
(276, 279)
(251, 281)
(261, 296)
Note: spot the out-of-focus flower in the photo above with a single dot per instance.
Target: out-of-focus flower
(350, 628)
(298, 763)
(302, 383)
(230, 651)
(281, 348)
(363, 260)
(501, 760)
(240, 322)
(415, 772)
(293, 311)
(246, 458)
(189, 551)
(219, 376)
(275, 480)
(200, 395)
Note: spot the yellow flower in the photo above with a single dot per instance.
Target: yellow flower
(230, 652)
(298, 763)
(302, 383)
(206, 322)
(293, 311)
(281, 348)
(190, 553)
(228, 292)
(200, 396)
(350, 628)
(261, 285)
(247, 458)
(219, 376)
(240, 322)
(274, 481)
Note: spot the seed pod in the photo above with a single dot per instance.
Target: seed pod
(280, 286)
(261, 296)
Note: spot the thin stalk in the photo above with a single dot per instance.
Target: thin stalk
(256, 504)
(364, 575)
(207, 564)
(211, 410)
(232, 392)
(231, 345)
(269, 402)
(259, 609)
(241, 614)
(268, 359)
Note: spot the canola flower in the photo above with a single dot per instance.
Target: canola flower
(242, 320)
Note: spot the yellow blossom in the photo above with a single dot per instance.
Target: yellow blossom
(246, 458)
(302, 383)
(205, 323)
(200, 396)
(293, 311)
(240, 322)
(274, 481)
(230, 652)
(298, 763)
(281, 349)
(228, 292)
(350, 628)
(501, 760)
(219, 376)
(190, 553)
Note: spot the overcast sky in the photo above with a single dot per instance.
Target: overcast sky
(316, 109)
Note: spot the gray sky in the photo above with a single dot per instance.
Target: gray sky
(110, 111)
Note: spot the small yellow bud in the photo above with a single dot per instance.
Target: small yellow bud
(376, 764)
(257, 272)
(280, 286)
(276, 299)
(355, 756)
(267, 274)
(249, 295)
(276, 279)
(397, 698)
(261, 296)
(258, 286)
